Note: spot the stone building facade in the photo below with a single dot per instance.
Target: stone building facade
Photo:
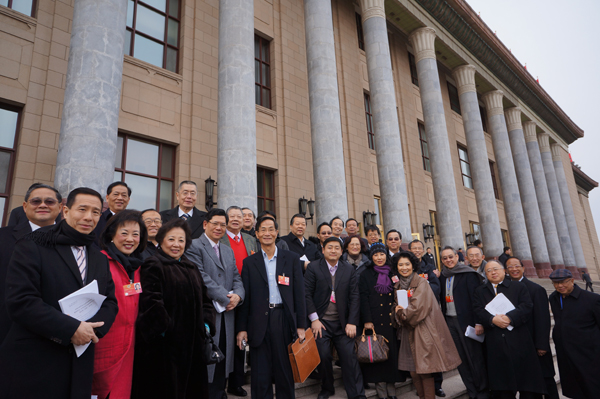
(409, 109)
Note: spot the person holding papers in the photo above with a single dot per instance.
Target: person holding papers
(426, 346)
(512, 360)
(37, 358)
(175, 316)
(123, 241)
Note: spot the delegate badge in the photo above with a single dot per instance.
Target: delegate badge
(132, 289)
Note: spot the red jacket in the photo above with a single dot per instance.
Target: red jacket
(113, 363)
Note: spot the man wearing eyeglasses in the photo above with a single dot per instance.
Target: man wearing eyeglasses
(187, 194)
(576, 336)
(118, 195)
(153, 223)
(41, 207)
(224, 286)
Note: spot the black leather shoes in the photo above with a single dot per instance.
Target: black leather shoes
(324, 395)
(440, 392)
(239, 391)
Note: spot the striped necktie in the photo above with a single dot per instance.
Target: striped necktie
(185, 216)
(81, 262)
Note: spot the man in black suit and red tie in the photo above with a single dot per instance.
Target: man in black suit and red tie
(272, 314)
(187, 194)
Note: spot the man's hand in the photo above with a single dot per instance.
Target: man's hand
(85, 333)
(500, 321)
(479, 329)
(301, 333)
(306, 264)
(234, 299)
(242, 336)
(436, 272)
(316, 327)
(541, 352)
(351, 330)
(369, 326)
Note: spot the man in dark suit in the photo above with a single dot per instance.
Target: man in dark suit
(37, 357)
(41, 207)
(333, 305)
(306, 250)
(576, 336)
(272, 313)
(118, 195)
(187, 194)
(249, 221)
(17, 215)
(538, 325)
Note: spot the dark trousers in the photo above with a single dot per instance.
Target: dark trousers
(589, 285)
(472, 370)
(236, 377)
(344, 345)
(216, 389)
(511, 395)
(270, 361)
(551, 388)
(438, 378)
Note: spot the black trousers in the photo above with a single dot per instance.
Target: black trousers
(216, 389)
(438, 378)
(270, 361)
(472, 370)
(511, 395)
(236, 377)
(344, 345)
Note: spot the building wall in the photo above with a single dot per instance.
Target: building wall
(181, 108)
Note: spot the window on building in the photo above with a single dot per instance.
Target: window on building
(413, 69)
(262, 72)
(149, 169)
(152, 32)
(475, 230)
(465, 167)
(424, 147)
(359, 32)
(454, 102)
(484, 119)
(266, 190)
(9, 126)
(369, 117)
(26, 7)
(505, 238)
(493, 171)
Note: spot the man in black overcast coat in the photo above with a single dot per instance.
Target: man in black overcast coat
(298, 244)
(187, 194)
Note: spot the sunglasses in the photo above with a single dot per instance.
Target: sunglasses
(38, 201)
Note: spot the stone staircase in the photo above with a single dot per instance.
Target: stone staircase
(452, 385)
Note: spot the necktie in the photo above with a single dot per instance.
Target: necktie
(216, 248)
(237, 239)
(81, 263)
(496, 288)
(185, 216)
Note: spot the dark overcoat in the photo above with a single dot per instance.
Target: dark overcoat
(309, 249)
(170, 331)
(376, 308)
(512, 360)
(37, 359)
(576, 336)
(464, 288)
(196, 222)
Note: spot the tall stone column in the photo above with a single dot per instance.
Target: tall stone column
(557, 206)
(236, 129)
(442, 171)
(487, 210)
(541, 189)
(510, 190)
(90, 118)
(325, 122)
(540, 224)
(563, 187)
(390, 165)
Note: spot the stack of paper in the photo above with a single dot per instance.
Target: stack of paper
(402, 296)
(500, 305)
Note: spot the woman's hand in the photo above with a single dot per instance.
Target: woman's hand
(398, 308)
(369, 326)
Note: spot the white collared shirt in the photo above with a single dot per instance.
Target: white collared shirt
(34, 226)
(180, 213)
(212, 243)
(233, 236)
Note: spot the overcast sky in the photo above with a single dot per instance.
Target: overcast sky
(559, 42)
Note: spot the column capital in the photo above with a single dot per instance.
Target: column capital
(493, 102)
(556, 152)
(544, 141)
(529, 129)
(465, 78)
(372, 8)
(513, 118)
(422, 40)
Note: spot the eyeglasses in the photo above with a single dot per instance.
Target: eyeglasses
(217, 224)
(150, 222)
(38, 201)
(394, 239)
(189, 193)
(513, 267)
(495, 269)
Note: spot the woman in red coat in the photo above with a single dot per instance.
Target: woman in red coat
(123, 241)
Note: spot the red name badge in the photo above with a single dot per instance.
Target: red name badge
(132, 289)
(395, 279)
(449, 298)
(283, 280)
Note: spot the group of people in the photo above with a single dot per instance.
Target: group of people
(179, 283)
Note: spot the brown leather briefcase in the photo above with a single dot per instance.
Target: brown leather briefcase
(304, 356)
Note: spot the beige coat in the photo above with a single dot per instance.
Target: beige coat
(431, 344)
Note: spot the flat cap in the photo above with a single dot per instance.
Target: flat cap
(560, 274)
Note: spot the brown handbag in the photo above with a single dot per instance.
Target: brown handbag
(304, 356)
(371, 348)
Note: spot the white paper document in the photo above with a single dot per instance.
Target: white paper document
(304, 258)
(402, 296)
(470, 333)
(82, 305)
(218, 307)
(500, 305)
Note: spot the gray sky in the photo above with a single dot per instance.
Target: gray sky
(558, 40)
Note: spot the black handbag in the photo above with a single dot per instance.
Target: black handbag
(212, 353)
